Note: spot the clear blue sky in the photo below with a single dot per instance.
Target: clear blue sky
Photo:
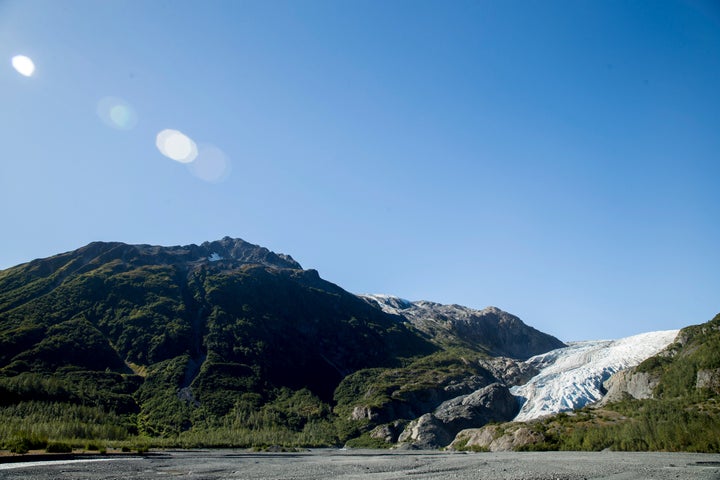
(557, 159)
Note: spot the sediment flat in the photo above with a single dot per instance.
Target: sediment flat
(374, 464)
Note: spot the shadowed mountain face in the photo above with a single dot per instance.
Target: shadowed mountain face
(214, 333)
(230, 316)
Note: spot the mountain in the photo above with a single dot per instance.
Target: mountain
(573, 377)
(497, 332)
(228, 343)
(211, 323)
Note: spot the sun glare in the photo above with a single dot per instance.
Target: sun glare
(176, 146)
(117, 113)
(211, 165)
(24, 65)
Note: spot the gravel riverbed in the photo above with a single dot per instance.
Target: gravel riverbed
(372, 464)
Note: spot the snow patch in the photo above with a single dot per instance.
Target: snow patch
(388, 303)
(214, 257)
(572, 377)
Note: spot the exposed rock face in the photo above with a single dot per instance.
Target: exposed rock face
(437, 429)
(508, 370)
(364, 413)
(709, 379)
(242, 251)
(496, 438)
(501, 333)
(638, 385)
(388, 432)
(425, 432)
(414, 403)
(492, 403)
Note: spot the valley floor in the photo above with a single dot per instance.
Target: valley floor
(373, 464)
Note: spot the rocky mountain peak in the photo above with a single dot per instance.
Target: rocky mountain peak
(497, 331)
(244, 252)
(227, 253)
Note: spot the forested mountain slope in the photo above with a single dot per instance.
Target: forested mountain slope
(225, 336)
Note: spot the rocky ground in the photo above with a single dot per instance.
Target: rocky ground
(380, 465)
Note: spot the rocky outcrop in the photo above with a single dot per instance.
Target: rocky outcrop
(493, 403)
(425, 432)
(496, 438)
(709, 379)
(412, 404)
(245, 252)
(508, 370)
(389, 432)
(630, 383)
(498, 332)
(641, 385)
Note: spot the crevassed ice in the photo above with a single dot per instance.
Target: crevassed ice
(572, 377)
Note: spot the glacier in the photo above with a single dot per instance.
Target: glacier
(572, 377)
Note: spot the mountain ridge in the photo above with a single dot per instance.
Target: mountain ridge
(229, 344)
(197, 336)
(501, 333)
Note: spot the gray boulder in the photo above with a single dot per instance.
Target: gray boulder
(493, 403)
(425, 432)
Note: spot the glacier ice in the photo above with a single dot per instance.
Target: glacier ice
(572, 377)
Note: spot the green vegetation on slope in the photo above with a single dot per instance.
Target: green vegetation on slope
(417, 382)
(132, 345)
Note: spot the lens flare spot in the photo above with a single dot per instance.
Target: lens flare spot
(176, 146)
(117, 113)
(24, 65)
(211, 164)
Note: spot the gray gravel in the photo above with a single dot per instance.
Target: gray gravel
(380, 465)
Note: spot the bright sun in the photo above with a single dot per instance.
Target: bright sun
(24, 65)
(176, 145)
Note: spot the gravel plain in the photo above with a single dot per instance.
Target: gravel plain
(372, 464)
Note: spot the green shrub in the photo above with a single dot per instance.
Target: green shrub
(23, 442)
(366, 441)
(58, 447)
(477, 448)
(17, 445)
